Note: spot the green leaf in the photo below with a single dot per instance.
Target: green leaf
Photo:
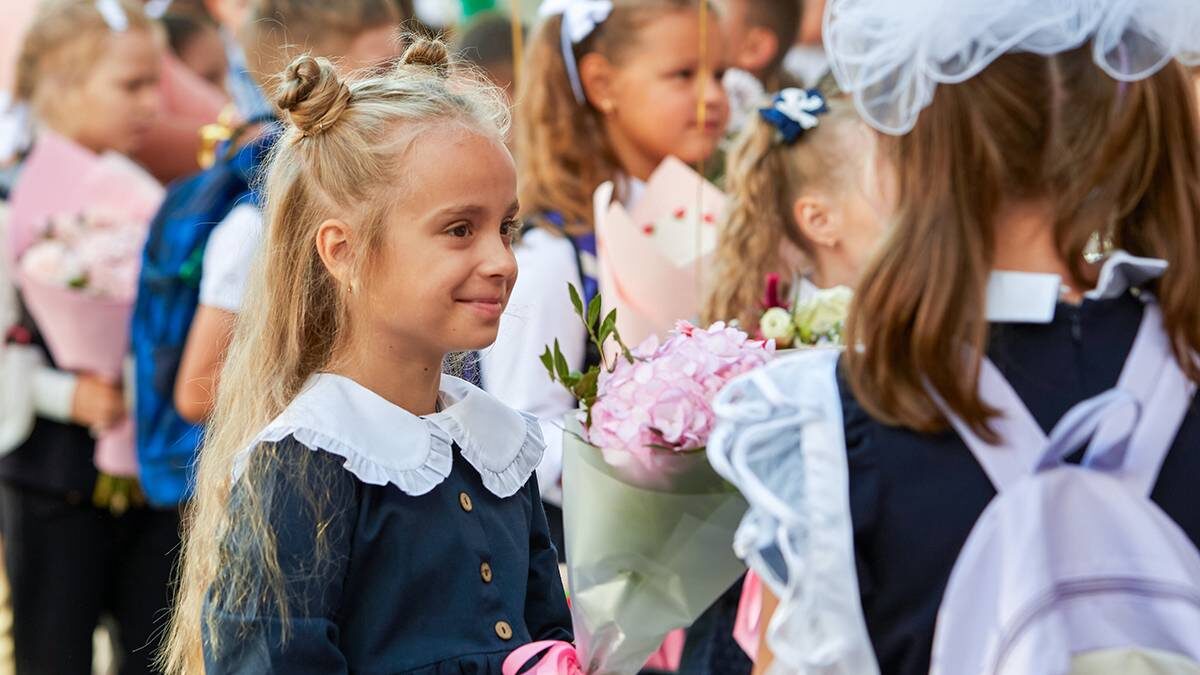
(585, 388)
(608, 326)
(593, 314)
(548, 361)
(575, 299)
(560, 364)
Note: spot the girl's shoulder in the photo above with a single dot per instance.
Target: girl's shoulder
(379, 443)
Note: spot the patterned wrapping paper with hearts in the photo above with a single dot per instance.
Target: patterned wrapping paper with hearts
(653, 257)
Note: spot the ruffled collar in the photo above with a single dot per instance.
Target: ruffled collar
(383, 443)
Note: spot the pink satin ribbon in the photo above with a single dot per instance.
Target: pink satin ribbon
(557, 658)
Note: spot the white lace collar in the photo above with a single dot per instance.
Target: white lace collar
(1028, 297)
(383, 443)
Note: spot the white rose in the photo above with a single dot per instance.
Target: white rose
(776, 324)
(824, 313)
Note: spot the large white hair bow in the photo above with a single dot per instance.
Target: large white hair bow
(579, 19)
(892, 55)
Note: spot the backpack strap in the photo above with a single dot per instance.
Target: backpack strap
(1020, 437)
(1132, 427)
(1154, 377)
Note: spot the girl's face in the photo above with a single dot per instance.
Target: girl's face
(116, 103)
(654, 92)
(443, 275)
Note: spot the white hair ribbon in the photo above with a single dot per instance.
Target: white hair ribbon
(113, 15)
(579, 19)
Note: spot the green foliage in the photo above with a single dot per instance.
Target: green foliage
(601, 331)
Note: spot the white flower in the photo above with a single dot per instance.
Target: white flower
(821, 317)
(800, 106)
(776, 324)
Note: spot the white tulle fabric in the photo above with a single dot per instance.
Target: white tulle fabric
(779, 440)
(892, 55)
(382, 443)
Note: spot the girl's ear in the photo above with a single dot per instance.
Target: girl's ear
(333, 245)
(816, 221)
(597, 73)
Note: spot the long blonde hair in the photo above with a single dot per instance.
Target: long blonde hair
(340, 157)
(562, 148)
(64, 41)
(764, 178)
(1118, 161)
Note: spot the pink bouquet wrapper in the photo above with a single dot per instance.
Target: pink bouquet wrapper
(90, 334)
(652, 257)
(84, 332)
(749, 613)
(61, 177)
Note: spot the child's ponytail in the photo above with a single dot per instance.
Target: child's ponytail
(764, 177)
(561, 145)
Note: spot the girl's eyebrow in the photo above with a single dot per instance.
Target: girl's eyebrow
(470, 211)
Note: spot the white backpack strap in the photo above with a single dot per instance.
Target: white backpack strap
(1154, 378)
(1020, 438)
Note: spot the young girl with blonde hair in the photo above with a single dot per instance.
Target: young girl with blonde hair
(608, 91)
(983, 320)
(91, 79)
(803, 205)
(356, 510)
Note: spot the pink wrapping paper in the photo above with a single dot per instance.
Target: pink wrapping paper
(62, 177)
(653, 257)
(83, 332)
(749, 613)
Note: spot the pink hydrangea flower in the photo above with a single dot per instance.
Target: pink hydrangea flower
(663, 400)
(97, 252)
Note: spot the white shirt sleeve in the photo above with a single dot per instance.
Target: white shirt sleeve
(539, 312)
(228, 258)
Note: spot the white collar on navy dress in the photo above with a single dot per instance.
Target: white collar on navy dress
(1028, 297)
(383, 443)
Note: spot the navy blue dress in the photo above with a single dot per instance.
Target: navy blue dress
(914, 498)
(448, 582)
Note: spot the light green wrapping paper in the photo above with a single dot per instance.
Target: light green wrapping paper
(642, 562)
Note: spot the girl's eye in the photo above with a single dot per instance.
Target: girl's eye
(509, 229)
(461, 231)
(685, 74)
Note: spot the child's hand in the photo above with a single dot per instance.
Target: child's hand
(97, 404)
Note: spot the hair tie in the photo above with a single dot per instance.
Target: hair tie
(793, 112)
(580, 18)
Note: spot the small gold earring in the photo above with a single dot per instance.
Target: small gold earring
(607, 107)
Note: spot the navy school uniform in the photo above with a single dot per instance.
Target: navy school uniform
(914, 498)
(437, 555)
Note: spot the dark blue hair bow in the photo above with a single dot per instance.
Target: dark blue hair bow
(794, 111)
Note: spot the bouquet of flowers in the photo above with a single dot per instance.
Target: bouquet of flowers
(78, 224)
(817, 320)
(649, 525)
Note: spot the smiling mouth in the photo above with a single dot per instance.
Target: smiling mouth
(488, 307)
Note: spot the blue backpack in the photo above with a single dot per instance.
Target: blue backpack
(167, 297)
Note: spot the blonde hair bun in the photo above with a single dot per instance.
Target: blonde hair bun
(429, 53)
(312, 94)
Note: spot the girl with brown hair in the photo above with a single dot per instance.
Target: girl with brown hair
(608, 91)
(1046, 199)
(356, 510)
